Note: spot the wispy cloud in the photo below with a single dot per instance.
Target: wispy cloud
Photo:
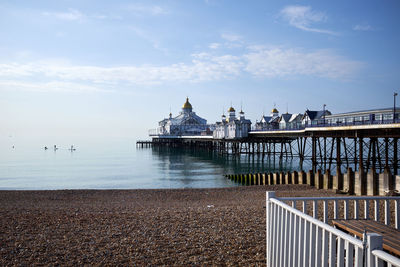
(140, 9)
(71, 15)
(77, 15)
(302, 17)
(231, 37)
(363, 27)
(214, 45)
(277, 62)
(258, 61)
(52, 86)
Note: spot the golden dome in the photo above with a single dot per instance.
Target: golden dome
(187, 105)
(274, 111)
(231, 109)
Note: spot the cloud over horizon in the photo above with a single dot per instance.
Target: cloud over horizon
(268, 63)
(302, 17)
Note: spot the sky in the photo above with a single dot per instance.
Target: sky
(93, 68)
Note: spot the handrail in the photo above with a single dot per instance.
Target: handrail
(295, 238)
(382, 255)
(324, 226)
(339, 198)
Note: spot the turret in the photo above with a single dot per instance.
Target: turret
(232, 115)
(274, 112)
(187, 107)
(241, 114)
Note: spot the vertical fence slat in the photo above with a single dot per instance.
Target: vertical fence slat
(275, 237)
(282, 243)
(332, 249)
(315, 209)
(318, 244)
(340, 252)
(325, 244)
(286, 252)
(335, 209)
(291, 236)
(278, 236)
(356, 209)
(359, 256)
(376, 210)
(366, 209)
(304, 207)
(300, 242)
(270, 224)
(387, 212)
(326, 211)
(306, 250)
(346, 209)
(296, 221)
(397, 213)
(349, 254)
(312, 244)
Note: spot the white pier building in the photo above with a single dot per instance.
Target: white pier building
(232, 127)
(186, 123)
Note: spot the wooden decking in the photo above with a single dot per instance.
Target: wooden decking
(390, 235)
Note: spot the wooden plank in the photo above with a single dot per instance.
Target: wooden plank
(357, 229)
(391, 236)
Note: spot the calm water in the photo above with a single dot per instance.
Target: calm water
(118, 164)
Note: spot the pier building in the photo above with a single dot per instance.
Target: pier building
(290, 121)
(313, 117)
(232, 127)
(371, 116)
(268, 122)
(186, 123)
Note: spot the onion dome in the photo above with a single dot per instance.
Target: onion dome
(231, 109)
(274, 111)
(187, 105)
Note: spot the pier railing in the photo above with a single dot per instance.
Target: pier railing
(295, 238)
(328, 124)
(364, 207)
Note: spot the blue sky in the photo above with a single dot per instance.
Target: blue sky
(115, 68)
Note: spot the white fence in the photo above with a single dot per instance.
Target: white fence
(295, 238)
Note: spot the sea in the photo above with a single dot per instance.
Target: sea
(119, 164)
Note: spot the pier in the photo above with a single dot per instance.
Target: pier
(324, 146)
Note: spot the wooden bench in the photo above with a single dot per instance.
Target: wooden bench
(390, 235)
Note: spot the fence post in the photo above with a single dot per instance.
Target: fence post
(269, 195)
(374, 241)
(302, 177)
(327, 180)
(295, 178)
(310, 178)
(372, 182)
(282, 178)
(318, 180)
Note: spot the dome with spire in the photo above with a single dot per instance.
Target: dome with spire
(187, 105)
(231, 109)
(274, 110)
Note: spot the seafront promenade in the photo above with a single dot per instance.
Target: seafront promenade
(138, 227)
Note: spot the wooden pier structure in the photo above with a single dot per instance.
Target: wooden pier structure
(361, 147)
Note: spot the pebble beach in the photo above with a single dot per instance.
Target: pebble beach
(168, 227)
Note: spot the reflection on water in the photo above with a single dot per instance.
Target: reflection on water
(116, 165)
(190, 162)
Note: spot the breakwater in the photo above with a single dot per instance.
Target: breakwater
(353, 183)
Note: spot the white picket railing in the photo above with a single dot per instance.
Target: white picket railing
(368, 203)
(297, 239)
